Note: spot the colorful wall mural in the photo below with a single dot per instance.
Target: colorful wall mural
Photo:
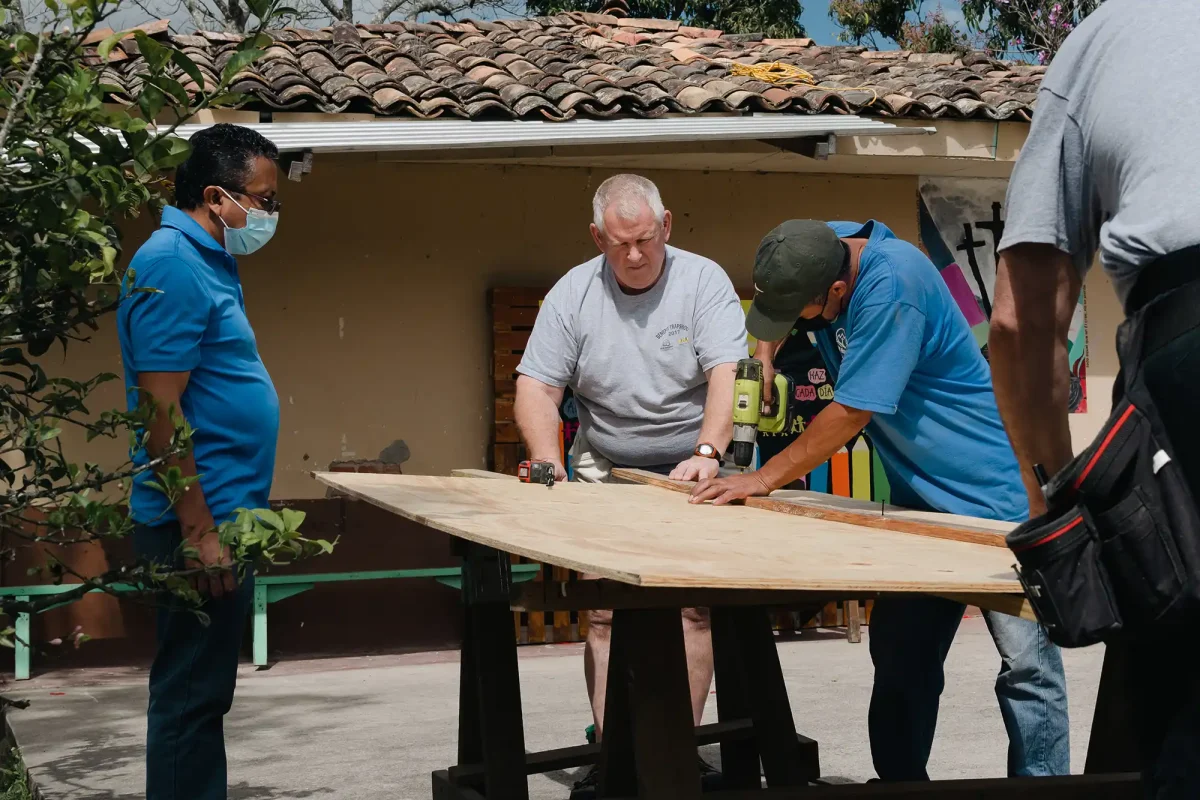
(962, 222)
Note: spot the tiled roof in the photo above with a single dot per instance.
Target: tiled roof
(591, 65)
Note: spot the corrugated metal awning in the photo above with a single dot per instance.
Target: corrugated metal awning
(418, 135)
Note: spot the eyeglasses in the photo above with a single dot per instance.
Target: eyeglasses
(267, 204)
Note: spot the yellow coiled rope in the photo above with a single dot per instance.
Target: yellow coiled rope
(780, 74)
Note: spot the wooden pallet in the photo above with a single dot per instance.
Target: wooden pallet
(514, 311)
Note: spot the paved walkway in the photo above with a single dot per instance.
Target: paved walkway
(373, 728)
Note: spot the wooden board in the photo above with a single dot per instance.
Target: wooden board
(855, 512)
(640, 535)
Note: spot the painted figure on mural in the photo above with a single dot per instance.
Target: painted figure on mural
(962, 223)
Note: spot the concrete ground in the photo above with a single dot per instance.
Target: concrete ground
(375, 727)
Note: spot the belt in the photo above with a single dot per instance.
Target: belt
(1164, 274)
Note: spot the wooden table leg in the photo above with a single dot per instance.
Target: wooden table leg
(618, 769)
(491, 729)
(470, 742)
(652, 715)
(739, 758)
(853, 622)
(501, 729)
(783, 759)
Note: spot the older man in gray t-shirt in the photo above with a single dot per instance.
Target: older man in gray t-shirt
(1110, 168)
(648, 337)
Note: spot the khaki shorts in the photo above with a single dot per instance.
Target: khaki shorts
(591, 467)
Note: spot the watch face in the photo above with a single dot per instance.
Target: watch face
(706, 450)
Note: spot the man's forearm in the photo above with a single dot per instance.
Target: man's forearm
(717, 428)
(828, 432)
(765, 351)
(537, 420)
(1036, 293)
(162, 429)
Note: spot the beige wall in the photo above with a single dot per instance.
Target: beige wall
(1104, 314)
(370, 304)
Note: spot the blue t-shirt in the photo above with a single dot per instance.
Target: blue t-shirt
(197, 323)
(902, 349)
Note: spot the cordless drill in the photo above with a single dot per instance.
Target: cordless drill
(751, 414)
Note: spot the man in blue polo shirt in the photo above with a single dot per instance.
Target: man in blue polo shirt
(188, 348)
(906, 368)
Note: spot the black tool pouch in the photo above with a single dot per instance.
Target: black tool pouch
(1120, 545)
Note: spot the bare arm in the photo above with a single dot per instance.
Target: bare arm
(536, 411)
(829, 431)
(765, 352)
(195, 519)
(717, 428)
(1037, 289)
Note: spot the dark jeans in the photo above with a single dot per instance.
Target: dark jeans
(910, 638)
(191, 683)
(1163, 678)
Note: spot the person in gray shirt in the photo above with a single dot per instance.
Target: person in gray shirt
(648, 337)
(1110, 166)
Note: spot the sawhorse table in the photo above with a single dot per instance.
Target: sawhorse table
(658, 554)
(649, 746)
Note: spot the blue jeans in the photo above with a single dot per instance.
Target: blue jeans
(910, 637)
(191, 682)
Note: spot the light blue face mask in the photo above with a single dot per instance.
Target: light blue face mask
(260, 227)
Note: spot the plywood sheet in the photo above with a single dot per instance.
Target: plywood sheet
(645, 536)
(857, 512)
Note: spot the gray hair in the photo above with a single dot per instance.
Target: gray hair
(628, 193)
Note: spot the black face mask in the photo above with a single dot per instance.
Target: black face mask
(817, 323)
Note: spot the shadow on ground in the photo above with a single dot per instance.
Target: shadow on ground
(97, 751)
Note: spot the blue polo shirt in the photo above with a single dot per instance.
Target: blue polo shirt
(903, 350)
(196, 322)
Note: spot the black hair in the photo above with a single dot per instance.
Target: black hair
(222, 155)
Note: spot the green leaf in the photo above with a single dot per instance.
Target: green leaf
(170, 152)
(108, 44)
(185, 63)
(270, 519)
(259, 7)
(24, 43)
(171, 87)
(156, 55)
(237, 62)
(151, 101)
(258, 40)
(292, 519)
(227, 99)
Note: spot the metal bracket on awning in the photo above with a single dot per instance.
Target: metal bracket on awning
(819, 149)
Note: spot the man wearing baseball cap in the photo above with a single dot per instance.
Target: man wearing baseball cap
(905, 367)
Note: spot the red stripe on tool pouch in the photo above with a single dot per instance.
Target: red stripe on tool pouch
(1103, 445)
(1049, 537)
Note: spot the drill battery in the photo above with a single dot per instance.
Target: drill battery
(536, 472)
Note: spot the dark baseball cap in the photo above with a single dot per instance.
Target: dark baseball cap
(794, 265)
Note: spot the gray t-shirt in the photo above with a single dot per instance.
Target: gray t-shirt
(1111, 163)
(637, 363)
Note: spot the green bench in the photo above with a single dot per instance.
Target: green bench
(267, 589)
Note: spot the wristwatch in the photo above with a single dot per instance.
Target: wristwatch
(706, 450)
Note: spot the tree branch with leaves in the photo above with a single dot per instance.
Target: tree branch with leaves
(775, 18)
(72, 171)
